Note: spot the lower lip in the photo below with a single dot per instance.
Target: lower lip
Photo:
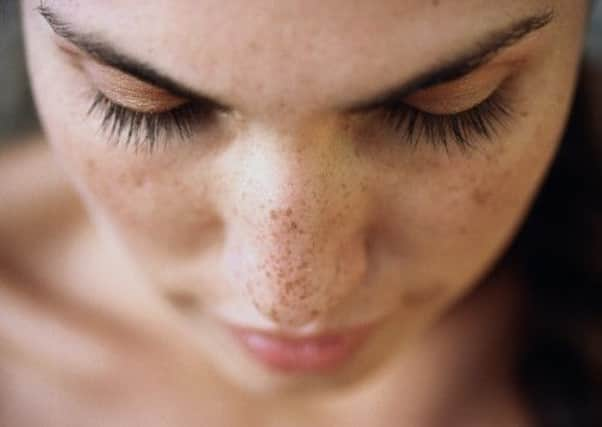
(302, 355)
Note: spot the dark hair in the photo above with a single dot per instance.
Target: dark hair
(559, 252)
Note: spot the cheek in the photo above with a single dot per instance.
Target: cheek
(152, 203)
(451, 220)
(159, 205)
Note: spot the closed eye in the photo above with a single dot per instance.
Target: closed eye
(481, 122)
(127, 126)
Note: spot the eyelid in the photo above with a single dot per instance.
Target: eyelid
(129, 91)
(120, 87)
(103, 73)
(462, 94)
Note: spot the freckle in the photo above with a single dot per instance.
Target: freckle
(273, 214)
(91, 165)
(294, 225)
(289, 212)
(481, 196)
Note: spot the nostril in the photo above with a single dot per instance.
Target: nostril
(183, 301)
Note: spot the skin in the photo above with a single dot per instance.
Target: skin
(289, 215)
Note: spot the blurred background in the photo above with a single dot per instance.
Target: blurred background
(17, 114)
(595, 37)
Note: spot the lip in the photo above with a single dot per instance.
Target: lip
(318, 353)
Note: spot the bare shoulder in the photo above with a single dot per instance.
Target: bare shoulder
(37, 204)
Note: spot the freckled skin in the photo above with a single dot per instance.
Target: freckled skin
(290, 215)
(293, 292)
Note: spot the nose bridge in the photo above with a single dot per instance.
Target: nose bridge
(296, 245)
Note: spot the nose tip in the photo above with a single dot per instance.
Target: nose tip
(296, 287)
(296, 243)
(294, 276)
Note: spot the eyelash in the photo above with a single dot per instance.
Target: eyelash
(484, 120)
(131, 127)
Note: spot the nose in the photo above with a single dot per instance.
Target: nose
(297, 222)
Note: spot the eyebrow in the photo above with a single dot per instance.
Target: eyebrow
(461, 65)
(449, 70)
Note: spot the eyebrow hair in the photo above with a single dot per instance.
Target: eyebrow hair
(457, 67)
(462, 65)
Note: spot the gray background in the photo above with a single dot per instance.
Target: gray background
(594, 43)
(16, 109)
(17, 114)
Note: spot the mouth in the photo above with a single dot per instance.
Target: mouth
(319, 353)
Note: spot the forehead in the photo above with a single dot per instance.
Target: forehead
(311, 51)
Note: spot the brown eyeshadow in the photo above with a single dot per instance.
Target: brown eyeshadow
(129, 91)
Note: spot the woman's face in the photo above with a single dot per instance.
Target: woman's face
(242, 156)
